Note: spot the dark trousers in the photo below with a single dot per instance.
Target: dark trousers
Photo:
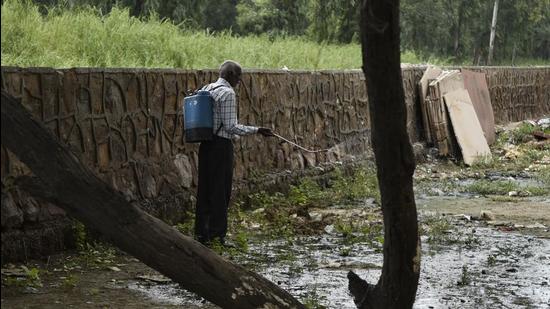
(214, 190)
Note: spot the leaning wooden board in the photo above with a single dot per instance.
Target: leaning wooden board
(476, 85)
(466, 127)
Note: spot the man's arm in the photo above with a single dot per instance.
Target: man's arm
(228, 111)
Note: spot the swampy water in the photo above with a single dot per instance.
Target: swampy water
(471, 266)
(466, 263)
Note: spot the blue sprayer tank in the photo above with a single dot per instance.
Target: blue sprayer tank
(198, 117)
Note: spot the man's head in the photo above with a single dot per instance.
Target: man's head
(231, 72)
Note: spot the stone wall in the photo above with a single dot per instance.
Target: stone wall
(126, 125)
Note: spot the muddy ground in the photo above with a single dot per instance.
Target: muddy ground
(485, 242)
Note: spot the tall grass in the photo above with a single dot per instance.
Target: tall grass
(84, 37)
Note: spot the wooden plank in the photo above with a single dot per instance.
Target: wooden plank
(476, 84)
(466, 127)
(431, 73)
(443, 136)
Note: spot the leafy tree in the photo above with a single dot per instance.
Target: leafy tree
(272, 17)
(334, 20)
(454, 30)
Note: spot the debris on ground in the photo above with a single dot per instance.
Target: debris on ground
(457, 114)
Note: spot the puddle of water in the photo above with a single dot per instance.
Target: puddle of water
(170, 294)
(502, 270)
(459, 187)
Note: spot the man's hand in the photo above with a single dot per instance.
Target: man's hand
(265, 131)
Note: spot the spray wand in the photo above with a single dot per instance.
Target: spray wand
(294, 144)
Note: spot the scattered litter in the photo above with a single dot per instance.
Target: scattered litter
(498, 223)
(113, 268)
(541, 136)
(463, 217)
(329, 229)
(316, 217)
(536, 226)
(544, 123)
(258, 211)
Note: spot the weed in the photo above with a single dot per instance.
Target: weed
(471, 241)
(356, 233)
(346, 229)
(530, 155)
(241, 241)
(504, 199)
(314, 301)
(440, 231)
(464, 277)
(517, 136)
(80, 235)
(70, 281)
(502, 187)
(543, 176)
(216, 246)
(345, 251)
(486, 187)
(187, 227)
(484, 163)
(362, 184)
(306, 193)
(491, 260)
(431, 188)
(285, 214)
(31, 278)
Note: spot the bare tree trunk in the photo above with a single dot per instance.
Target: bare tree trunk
(397, 285)
(493, 30)
(65, 181)
(458, 30)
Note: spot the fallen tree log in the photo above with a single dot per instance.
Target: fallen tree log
(65, 181)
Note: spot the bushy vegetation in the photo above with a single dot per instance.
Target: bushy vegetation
(83, 36)
(301, 34)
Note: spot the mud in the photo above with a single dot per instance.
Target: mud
(479, 266)
(479, 250)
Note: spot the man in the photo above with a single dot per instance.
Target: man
(216, 157)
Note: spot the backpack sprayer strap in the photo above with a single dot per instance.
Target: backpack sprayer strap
(221, 123)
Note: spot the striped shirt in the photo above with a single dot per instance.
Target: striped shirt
(225, 110)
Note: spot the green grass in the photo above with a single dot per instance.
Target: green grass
(84, 37)
(502, 187)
